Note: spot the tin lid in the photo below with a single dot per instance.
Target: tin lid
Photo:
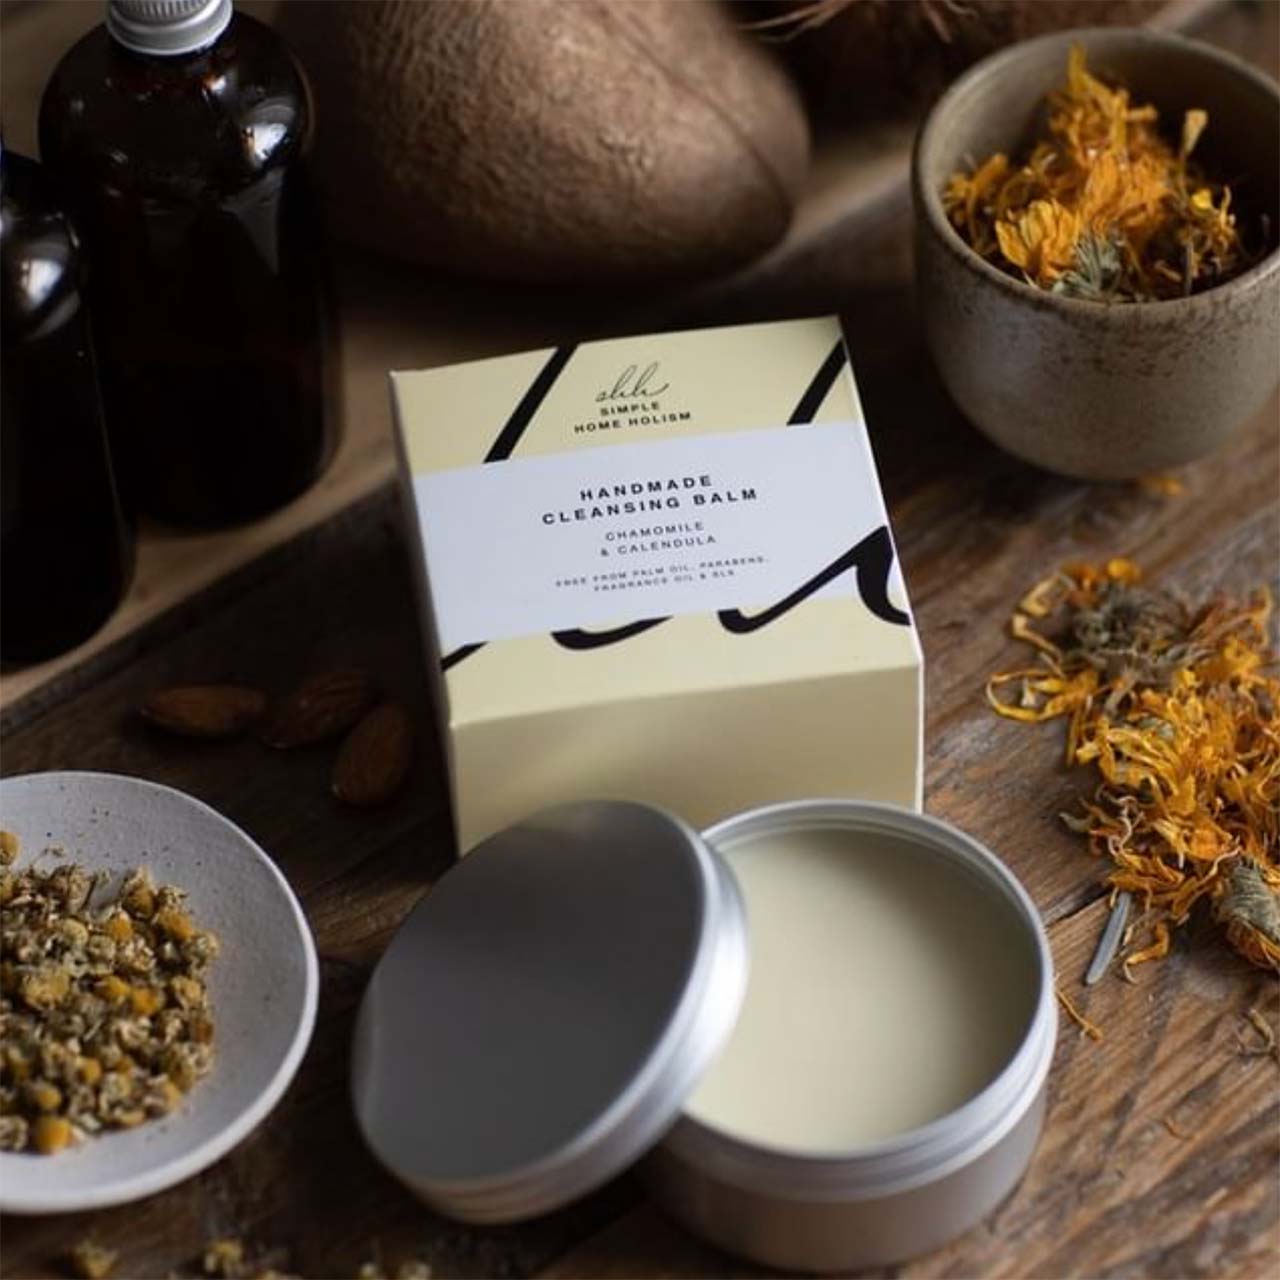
(543, 1013)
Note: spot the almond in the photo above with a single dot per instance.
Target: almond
(205, 710)
(375, 757)
(323, 706)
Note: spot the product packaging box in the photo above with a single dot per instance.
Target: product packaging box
(659, 568)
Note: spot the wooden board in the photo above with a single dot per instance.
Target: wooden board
(395, 317)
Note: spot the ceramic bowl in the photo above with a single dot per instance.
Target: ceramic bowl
(262, 987)
(1083, 388)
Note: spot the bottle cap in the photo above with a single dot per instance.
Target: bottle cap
(167, 27)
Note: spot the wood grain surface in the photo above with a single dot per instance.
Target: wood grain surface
(1161, 1155)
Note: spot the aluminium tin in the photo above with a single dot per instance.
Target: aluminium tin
(898, 1198)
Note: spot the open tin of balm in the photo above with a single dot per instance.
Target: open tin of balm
(828, 1023)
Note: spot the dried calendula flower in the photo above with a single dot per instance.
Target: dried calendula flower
(1162, 484)
(91, 1261)
(1103, 208)
(410, 1269)
(413, 1269)
(1178, 710)
(1087, 1028)
(10, 845)
(224, 1259)
(104, 1011)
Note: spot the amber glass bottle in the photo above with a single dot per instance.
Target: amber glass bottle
(65, 549)
(178, 130)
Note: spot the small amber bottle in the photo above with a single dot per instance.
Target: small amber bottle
(178, 130)
(66, 551)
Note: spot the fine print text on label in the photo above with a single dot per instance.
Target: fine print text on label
(583, 539)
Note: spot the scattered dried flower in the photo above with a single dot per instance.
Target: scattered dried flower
(91, 1261)
(224, 1258)
(1178, 710)
(414, 1269)
(1162, 484)
(411, 1269)
(1090, 1029)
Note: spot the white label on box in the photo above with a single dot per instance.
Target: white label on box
(602, 536)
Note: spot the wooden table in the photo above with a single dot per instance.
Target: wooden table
(1162, 1149)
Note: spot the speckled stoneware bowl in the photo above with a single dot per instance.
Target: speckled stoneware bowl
(1099, 391)
(263, 985)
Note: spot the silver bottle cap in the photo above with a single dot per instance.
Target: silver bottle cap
(167, 27)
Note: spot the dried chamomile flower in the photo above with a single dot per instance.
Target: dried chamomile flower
(224, 1258)
(1178, 710)
(104, 1012)
(15, 1132)
(410, 1269)
(91, 1261)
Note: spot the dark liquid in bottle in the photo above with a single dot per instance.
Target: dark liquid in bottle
(66, 552)
(185, 173)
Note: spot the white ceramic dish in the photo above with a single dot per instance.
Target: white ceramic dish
(263, 986)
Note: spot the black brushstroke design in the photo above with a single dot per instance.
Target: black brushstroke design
(506, 442)
(462, 652)
(816, 393)
(579, 639)
(520, 418)
(872, 558)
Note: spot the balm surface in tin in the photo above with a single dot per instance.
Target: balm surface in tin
(883, 1088)
(887, 988)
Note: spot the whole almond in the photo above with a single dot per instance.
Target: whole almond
(323, 706)
(204, 710)
(375, 757)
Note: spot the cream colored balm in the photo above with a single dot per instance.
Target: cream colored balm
(888, 986)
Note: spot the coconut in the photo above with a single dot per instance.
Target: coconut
(862, 59)
(603, 140)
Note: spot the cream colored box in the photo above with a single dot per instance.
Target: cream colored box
(659, 568)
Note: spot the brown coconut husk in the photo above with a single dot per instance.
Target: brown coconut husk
(858, 60)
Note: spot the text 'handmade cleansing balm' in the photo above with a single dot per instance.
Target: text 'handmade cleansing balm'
(659, 568)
